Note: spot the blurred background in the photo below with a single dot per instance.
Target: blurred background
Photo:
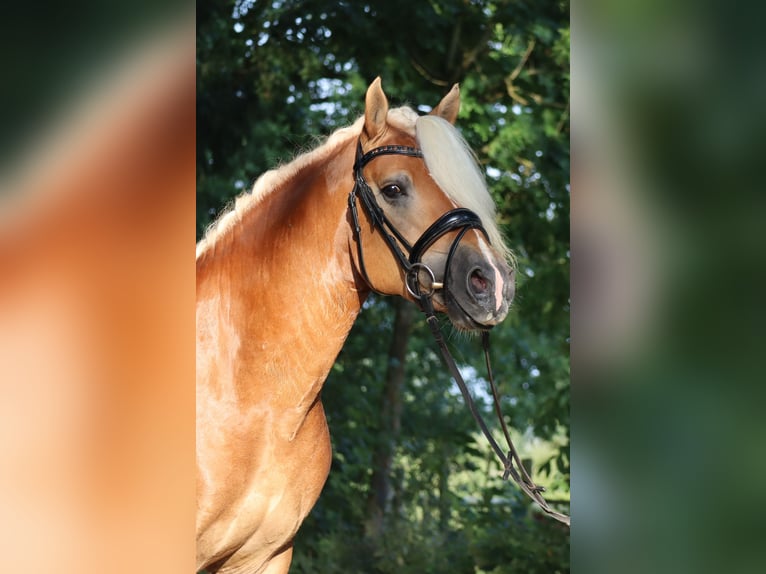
(413, 486)
(668, 265)
(96, 287)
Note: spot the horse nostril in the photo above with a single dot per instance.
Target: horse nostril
(478, 283)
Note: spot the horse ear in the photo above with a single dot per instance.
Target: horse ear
(449, 107)
(375, 110)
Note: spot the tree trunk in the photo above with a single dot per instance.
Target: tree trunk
(444, 494)
(390, 420)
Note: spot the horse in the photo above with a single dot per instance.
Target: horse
(281, 277)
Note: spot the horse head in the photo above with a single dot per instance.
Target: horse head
(430, 230)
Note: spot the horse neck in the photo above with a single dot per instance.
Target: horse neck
(281, 287)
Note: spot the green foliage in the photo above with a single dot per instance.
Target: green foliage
(501, 543)
(274, 76)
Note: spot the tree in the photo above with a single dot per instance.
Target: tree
(272, 76)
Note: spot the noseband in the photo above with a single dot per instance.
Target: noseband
(411, 263)
(461, 220)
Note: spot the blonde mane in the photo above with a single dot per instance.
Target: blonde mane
(454, 168)
(271, 180)
(450, 161)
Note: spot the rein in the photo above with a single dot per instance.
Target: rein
(461, 220)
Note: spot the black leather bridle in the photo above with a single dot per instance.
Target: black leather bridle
(461, 220)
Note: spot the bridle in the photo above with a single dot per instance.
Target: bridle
(461, 220)
(412, 262)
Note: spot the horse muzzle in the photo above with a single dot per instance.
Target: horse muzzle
(478, 290)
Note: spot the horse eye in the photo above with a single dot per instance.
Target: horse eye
(392, 191)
